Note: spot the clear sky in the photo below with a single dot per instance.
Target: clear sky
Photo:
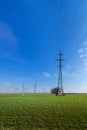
(32, 32)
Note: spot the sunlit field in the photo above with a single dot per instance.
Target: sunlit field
(43, 112)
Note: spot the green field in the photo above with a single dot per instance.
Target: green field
(43, 112)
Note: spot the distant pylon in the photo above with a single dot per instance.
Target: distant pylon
(23, 89)
(16, 90)
(60, 90)
(35, 87)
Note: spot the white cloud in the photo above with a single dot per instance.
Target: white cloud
(85, 43)
(85, 60)
(76, 90)
(80, 50)
(70, 75)
(82, 89)
(85, 48)
(7, 36)
(47, 75)
(8, 39)
(85, 63)
(69, 66)
(7, 83)
(83, 55)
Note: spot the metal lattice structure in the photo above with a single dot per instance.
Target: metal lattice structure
(60, 90)
(35, 87)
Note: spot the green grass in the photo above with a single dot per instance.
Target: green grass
(43, 112)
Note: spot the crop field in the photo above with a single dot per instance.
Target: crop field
(43, 112)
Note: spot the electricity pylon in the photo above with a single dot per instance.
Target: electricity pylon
(60, 81)
(23, 89)
(17, 90)
(35, 87)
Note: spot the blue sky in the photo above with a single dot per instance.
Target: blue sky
(32, 32)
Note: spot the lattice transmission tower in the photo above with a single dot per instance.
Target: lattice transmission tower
(60, 90)
(35, 87)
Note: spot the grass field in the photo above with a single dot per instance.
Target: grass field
(43, 112)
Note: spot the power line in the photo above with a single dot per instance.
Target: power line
(80, 41)
(84, 36)
(61, 13)
(62, 23)
(71, 25)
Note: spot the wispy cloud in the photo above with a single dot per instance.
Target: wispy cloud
(69, 67)
(7, 83)
(8, 41)
(80, 51)
(83, 55)
(70, 75)
(85, 43)
(47, 75)
(7, 36)
(69, 71)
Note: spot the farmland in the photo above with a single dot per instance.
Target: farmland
(43, 112)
